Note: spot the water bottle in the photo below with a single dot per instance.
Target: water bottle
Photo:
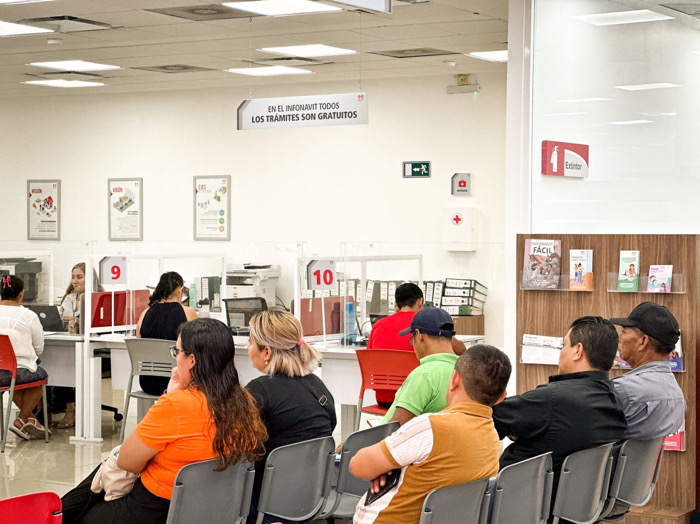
(193, 295)
(350, 323)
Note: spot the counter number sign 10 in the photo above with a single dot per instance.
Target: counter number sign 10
(113, 270)
(321, 274)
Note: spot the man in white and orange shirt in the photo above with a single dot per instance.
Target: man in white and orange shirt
(424, 450)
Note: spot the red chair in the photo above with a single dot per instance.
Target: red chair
(384, 369)
(8, 361)
(35, 508)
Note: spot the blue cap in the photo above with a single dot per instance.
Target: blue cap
(431, 321)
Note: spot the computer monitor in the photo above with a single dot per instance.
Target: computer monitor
(239, 311)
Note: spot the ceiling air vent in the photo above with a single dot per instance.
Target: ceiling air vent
(203, 13)
(175, 68)
(66, 24)
(688, 9)
(414, 53)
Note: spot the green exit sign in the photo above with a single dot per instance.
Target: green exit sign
(416, 169)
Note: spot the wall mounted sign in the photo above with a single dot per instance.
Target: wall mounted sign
(303, 111)
(564, 159)
(462, 184)
(113, 270)
(416, 169)
(212, 208)
(321, 274)
(125, 208)
(44, 210)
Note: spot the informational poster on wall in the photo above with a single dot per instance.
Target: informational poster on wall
(303, 111)
(125, 208)
(212, 208)
(44, 210)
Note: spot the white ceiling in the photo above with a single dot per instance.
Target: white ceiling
(145, 39)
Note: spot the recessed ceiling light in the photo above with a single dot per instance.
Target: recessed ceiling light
(75, 65)
(631, 122)
(5, 2)
(623, 17)
(281, 7)
(644, 87)
(10, 29)
(309, 51)
(592, 99)
(492, 56)
(269, 71)
(64, 83)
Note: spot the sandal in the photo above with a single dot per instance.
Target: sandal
(65, 425)
(19, 431)
(34, 428)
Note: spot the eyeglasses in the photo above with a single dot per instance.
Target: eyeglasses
(413, 334)
(174, 351)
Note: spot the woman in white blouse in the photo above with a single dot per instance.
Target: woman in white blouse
(27, 337)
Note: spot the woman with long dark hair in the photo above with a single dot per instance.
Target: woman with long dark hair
(162, 319)
(205, 414)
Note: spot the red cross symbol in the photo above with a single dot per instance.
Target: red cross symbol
(457, 219)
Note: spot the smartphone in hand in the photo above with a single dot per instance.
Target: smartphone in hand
(391, 481)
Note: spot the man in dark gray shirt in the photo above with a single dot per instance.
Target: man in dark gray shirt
(577, 409)
(651, 398)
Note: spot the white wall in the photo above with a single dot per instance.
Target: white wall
(322, 185)
(643, 178)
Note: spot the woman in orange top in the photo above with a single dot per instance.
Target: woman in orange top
(206, 413)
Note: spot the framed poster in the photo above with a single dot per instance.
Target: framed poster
(212, 208)
(44, 210)
(125, 200)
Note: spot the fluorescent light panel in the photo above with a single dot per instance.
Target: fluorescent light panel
(578, 100)
(631, 122)
(281, 7)
(623, 17)
(644, 87)
(491, 56)
(75, 65)
(5, 2)
(308, 51)
(64, 83)
(10, 29)
(269, 71)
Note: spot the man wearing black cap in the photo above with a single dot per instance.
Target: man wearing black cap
(425, 388)
(651, 398)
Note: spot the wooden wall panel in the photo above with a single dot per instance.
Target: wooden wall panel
(550, 313)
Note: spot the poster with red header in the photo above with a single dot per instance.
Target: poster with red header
(564, 159)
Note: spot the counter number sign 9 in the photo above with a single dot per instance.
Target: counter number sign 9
(321, 274)
(113, 270)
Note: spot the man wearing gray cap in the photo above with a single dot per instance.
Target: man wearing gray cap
(425, 388)
(651, 398)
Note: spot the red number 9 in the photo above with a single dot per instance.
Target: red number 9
(116, 272)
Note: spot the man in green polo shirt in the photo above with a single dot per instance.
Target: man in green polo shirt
(425, 389)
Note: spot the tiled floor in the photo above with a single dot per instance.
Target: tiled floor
(33, 465)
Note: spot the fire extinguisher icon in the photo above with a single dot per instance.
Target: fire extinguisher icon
(555, 158)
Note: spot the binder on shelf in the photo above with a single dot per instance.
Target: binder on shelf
(468, 283)
(211, 289)
(463, 292)
(462, 301)
(392, 295)
(384, 298)
(463, 311)
(429, 285)
(437, 294)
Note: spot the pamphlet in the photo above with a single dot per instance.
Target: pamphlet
(581, 269)
(628, 276)
(659, 279)
(542, 266)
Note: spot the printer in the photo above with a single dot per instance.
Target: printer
(252, 280)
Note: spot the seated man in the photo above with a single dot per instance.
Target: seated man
(424, 389)
(385, 332)
(651, 398)
(455, 446)
(576, 410)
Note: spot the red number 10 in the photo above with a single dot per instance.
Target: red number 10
(327, 277)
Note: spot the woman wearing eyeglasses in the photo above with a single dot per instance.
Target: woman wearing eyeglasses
(206, 413)
(294, 403)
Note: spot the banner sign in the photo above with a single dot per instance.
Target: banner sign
(44, 210)
(564, 159)
(125, 208)
(303, 111)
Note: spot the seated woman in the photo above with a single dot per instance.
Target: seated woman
(206, 413)
(27, 337)
(70, 310)
(161, 320)
(290, 395)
